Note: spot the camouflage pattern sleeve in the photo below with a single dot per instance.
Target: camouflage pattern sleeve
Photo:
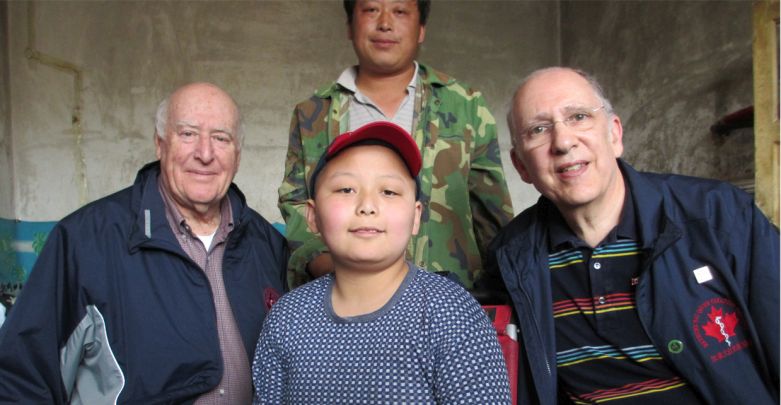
(293, 195)
(489, 197)
(463, 189)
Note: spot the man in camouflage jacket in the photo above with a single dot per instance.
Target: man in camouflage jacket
(463, 189)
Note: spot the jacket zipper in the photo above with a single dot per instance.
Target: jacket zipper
(536, 327)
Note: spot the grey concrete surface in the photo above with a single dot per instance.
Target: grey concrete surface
(671, 69)
(6, 168)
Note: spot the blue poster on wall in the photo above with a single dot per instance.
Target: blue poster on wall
(20, 244)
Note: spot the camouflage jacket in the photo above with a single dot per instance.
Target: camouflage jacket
(463, 190)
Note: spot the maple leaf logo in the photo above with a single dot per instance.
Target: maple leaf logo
(720, 326)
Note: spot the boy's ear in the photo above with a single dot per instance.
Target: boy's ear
(311, 216)
(418, 213)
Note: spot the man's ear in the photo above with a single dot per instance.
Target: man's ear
(616, 135)
(311, 216)
(422, 34)
(238, 162)
(520, 167)
(158, 152)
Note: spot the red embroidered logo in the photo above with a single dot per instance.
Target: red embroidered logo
(721, 326)
(718, 320)
(270, 297)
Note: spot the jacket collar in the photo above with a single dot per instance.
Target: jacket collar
(150, 224)
(426, 76)
(655, 227)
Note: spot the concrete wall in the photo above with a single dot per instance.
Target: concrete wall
(268, 54)
(671, 69)
(6, 168)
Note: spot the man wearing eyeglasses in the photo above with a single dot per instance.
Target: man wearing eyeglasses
(631, 287)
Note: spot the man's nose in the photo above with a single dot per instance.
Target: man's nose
(204, 149)
(384, 22)
(563, 138)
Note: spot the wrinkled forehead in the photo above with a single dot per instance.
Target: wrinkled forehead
(553, 92)
(203, 103)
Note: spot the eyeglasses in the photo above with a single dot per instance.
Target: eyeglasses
(577, 118)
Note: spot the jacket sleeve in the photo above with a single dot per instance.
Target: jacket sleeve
(489, 289)
(293, 195)
(488, 194)
(761, 261)
(31, 336)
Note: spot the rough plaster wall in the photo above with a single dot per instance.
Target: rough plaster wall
(267, 54)
(6, 174)
(671, 69)
(133, 54)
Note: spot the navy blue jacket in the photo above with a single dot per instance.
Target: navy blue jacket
(114, 309)
(684, 224)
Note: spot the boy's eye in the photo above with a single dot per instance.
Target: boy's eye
(389, 193)
(345, 190)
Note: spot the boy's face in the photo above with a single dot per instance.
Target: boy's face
(365, 207)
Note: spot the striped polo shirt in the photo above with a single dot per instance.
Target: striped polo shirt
(602, 352)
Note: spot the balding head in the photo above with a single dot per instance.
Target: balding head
(513, 115)
(204, 93)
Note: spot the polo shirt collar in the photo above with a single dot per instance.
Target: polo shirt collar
(176, 219)
(348, 77)
(560, 236)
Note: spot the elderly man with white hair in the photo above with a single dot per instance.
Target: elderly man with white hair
(155, 294)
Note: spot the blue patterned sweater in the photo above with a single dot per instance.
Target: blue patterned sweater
(430, 344)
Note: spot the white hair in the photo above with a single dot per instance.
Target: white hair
(161, 121)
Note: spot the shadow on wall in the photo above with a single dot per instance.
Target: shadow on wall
(20, 244)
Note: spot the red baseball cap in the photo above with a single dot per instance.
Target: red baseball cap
(375, 133)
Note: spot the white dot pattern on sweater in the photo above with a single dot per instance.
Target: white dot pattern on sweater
(430, 344)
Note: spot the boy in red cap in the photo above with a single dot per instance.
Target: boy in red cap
(378, 329)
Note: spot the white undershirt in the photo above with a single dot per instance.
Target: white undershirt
(207, 239)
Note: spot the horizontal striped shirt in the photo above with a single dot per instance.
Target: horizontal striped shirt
(602, 351)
